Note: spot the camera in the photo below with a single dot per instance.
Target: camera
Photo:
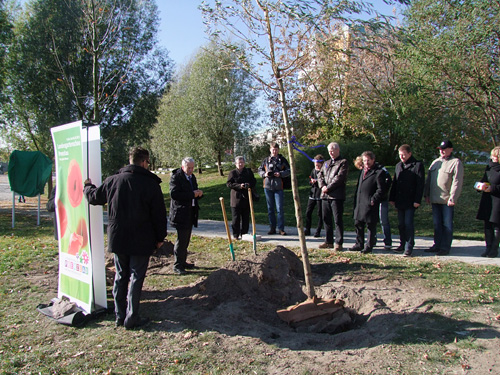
(270, 174)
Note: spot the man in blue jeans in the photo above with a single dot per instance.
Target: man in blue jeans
(406, 195)
(442, 189)
(273, 169)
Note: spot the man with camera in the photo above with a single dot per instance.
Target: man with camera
(273, 169)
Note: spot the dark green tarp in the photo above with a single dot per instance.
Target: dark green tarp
(29, 171)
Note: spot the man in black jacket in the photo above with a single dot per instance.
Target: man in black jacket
(370, 191)
(184, 195)
(332, 182)
(406, 195)
(137, 224)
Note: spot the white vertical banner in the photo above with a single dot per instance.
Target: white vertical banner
(91, 137)
(79, 265)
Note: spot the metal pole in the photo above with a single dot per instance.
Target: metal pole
(13, 209)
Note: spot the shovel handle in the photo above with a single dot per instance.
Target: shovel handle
(227, 226)
(250, 200)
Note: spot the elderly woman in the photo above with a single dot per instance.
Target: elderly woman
(239, 180)
(489, 206)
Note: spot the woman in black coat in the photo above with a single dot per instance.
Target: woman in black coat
(239, 180)
(370, 191)
(489, 206)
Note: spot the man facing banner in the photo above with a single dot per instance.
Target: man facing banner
(137, 224)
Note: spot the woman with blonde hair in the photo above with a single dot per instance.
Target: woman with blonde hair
(489, 206)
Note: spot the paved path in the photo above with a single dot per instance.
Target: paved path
(462, 250)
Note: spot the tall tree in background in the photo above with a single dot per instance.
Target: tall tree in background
(208, 107)
(90, 60)
(454, 51)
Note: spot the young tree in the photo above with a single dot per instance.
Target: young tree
(269, 30)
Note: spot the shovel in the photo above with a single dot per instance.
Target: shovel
(250, 199)
(231, 249)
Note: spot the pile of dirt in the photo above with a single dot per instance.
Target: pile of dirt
(275, 277)
(245, 295)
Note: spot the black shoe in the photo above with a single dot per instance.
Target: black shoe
(443, 252)
(317, 234)
(189, 266)
(180, 271)
(307, 232)
(119, 322)
(484, 254)
(356, 248)
(272, 231)
(366, 250)
(400, 249)
(407, 253)
(282, 232)
(492, 254)
(139, 322)
(432, 249)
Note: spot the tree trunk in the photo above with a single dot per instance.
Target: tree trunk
(219, 164)
(295, 191)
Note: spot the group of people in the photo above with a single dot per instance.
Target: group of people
(376, 189)
(137, 218)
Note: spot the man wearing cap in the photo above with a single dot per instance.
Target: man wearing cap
(442, 189)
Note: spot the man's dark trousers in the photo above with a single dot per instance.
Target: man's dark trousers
(333, 209)
(180, 247)
(129, 268)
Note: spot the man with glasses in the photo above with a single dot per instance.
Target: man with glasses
(137, 224)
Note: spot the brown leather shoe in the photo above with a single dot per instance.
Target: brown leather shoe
(326, 245)
(337, 247)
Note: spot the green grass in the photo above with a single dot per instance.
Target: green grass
(465, 224)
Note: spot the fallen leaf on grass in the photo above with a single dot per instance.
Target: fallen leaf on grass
(497, 317)
(465, 366)
(78, 354)
(426, 357)
(438, 266)
(344, 260)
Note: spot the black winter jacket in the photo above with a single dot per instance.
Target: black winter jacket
(239, 196)
(408, 184)
(489, 206)
(137, 218)
(182, 212)
(333, 175)
(370, 188)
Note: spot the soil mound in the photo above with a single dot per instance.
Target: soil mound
(275, 277)
(241, 297)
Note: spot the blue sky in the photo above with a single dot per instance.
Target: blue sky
(182, 29)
